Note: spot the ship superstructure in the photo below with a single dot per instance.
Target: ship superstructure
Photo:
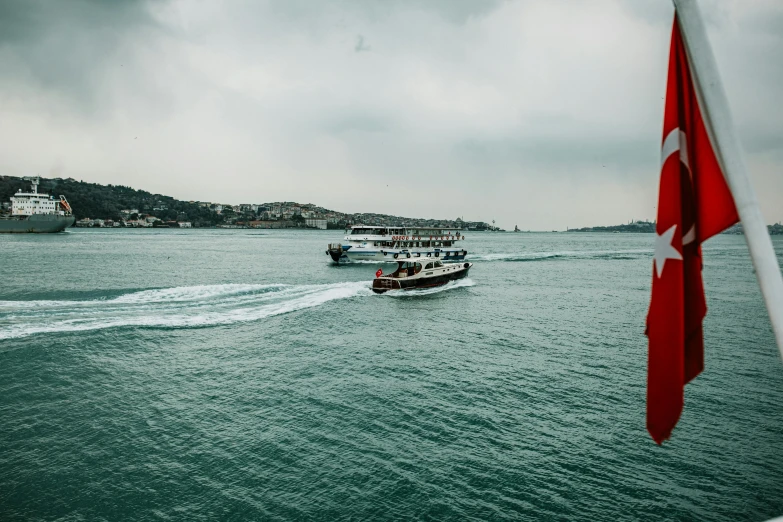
(380, 243)
(33, 212)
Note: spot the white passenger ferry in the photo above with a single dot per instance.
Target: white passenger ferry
(373, 243)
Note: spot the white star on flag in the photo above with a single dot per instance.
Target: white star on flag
(664, 249)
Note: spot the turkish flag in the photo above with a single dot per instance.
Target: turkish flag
(694, 204)
(379, 273)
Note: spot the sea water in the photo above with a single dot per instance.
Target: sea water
(240, 375)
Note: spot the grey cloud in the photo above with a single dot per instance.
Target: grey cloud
(33, 20)
(68, 46)
(452, 11)
(503, 102)
(360, 45)
(570, 156)
(362, 123)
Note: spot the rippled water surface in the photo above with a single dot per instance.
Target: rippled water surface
(234, 374)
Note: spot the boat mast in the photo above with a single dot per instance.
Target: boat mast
(34, 181)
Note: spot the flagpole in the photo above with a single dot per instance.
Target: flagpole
(720, 126)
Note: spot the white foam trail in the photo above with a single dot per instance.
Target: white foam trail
(575, 254)
(515, 256)
(192, 293)
(177, 294)
(451, 285)
(180, 307)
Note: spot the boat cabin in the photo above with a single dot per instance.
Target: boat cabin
(403, 238)
(411, 268)
(421, 273)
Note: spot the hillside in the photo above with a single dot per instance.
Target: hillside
(107, 202)
(634, 226)
(649, 227)
(90, 200)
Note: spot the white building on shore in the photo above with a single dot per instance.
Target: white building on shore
(316, 223)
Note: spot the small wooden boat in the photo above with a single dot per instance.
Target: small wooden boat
(421, 273)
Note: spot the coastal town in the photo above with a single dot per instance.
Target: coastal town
(118, 206)
(270, 215)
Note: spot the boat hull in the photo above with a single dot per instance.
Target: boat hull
(35, 224)
(388, 256)
(385, 284)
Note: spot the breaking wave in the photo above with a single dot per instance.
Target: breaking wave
(181, 307)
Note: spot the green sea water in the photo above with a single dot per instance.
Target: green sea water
(239, 375)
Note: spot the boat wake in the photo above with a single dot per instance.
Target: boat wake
(549, 256)
(451, 285)
(181, 307)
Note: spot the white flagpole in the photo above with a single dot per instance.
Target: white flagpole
(725, 142)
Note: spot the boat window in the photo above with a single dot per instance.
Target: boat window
(357, 231)
(428, 267)
(418, 267)
(438, 264)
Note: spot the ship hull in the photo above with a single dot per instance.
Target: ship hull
(393, 255)
(36, 224)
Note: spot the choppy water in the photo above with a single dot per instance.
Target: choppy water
(204, 375)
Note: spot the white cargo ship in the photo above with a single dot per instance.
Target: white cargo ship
(32, 212)
(380, 243)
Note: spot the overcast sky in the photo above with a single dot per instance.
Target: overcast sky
(544, 114)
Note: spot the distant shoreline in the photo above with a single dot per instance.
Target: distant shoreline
(774, 230)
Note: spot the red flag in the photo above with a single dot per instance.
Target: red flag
(379, 273)
(694, 204)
